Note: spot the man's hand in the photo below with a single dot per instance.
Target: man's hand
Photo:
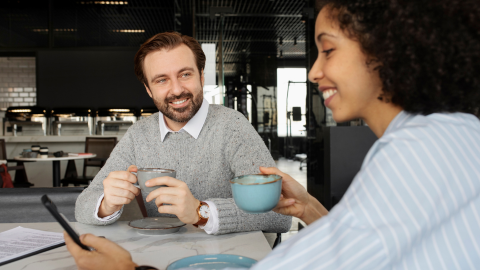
(178, 195)
(118, 190)
(107, 255)
(295, 200)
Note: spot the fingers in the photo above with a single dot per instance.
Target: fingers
(72, 247)
(118, 201)
(123, 175)
(132, 168)
(167, 209)
(165, 180)
(168, 199)
(271, 170)
(124, 185)
(99, 244)
(164, 191)
(285, 203)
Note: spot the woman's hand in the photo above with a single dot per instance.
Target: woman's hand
(107, 254)
(295, 200)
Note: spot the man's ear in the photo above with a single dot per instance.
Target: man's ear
(148, 90)
(202, 77)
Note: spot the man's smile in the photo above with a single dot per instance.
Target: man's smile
(179, 103)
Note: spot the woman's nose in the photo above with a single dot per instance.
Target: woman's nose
(316, 73)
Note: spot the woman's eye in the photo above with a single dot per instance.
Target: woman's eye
(327, 52)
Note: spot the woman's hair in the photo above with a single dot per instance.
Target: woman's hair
(428, 51)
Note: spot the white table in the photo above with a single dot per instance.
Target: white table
(56, 164)
(158, 251)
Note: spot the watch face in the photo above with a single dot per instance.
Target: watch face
(205, 211)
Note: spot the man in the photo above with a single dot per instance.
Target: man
(207, 145)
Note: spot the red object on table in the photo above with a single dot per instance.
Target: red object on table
(7, 179)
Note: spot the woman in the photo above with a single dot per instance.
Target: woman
(411, 71)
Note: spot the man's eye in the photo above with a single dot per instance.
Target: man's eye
(161, 81)
(185, 75)
(327, 52)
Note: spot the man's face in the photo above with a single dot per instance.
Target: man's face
(174, 82)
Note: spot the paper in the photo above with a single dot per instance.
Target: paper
(21, 241)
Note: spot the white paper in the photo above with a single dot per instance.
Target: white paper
(21, 241)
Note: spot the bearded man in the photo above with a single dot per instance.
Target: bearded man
(207, 145)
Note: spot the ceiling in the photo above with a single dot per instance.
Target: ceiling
(253, 28)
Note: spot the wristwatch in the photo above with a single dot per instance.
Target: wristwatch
(203, 212)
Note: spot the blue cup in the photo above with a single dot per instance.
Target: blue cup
(256, 193)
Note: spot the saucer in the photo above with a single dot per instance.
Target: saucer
(213, 261)
(156, 225)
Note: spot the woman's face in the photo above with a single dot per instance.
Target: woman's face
(350, 87)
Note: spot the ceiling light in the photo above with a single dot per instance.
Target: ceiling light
(128, 31)
(20, 110)
(119, 110)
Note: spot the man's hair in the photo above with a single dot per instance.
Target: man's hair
(427, 51)
(167, 41)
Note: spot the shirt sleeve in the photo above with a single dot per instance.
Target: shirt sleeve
(212, 224)
(115, 215)
(336, 241)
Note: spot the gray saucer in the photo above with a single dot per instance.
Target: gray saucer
(156, 225)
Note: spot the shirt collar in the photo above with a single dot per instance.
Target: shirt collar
(193, 126)
(397, 122)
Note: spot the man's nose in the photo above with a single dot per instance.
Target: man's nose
(177, 88)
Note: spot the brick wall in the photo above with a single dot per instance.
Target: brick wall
(17, 82)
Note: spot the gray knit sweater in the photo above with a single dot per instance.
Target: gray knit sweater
(227, 146)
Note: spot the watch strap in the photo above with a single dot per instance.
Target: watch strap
(201, 220)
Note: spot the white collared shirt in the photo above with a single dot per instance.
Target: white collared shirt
(193, 127)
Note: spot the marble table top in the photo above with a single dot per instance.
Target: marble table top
(158, 251)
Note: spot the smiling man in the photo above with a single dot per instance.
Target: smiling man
(207, 145)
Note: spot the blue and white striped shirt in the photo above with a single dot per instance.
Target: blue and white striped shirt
(413, 205)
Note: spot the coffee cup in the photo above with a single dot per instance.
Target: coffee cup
(145, 174)
(256, 193)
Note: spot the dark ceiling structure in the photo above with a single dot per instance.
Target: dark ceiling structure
(251, 28)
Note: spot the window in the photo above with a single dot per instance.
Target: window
(296, 98)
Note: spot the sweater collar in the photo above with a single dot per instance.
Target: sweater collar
(193, 126)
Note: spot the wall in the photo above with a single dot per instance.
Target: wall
(89, 79)
(17, 82)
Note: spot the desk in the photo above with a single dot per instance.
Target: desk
(56, 164)
(158, 251)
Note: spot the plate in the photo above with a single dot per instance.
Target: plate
(214, 261)
(156, 225)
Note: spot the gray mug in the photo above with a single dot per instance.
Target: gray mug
(145, 174)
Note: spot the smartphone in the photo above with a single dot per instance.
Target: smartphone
(52, 208)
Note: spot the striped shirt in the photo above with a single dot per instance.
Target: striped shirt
(414, 204)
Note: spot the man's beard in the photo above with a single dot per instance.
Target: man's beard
(180, 115)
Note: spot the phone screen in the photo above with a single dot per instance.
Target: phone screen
(52, 208)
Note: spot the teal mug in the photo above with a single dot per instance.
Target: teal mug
(256, 193)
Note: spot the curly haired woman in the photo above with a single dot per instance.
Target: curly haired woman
(411, 70)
